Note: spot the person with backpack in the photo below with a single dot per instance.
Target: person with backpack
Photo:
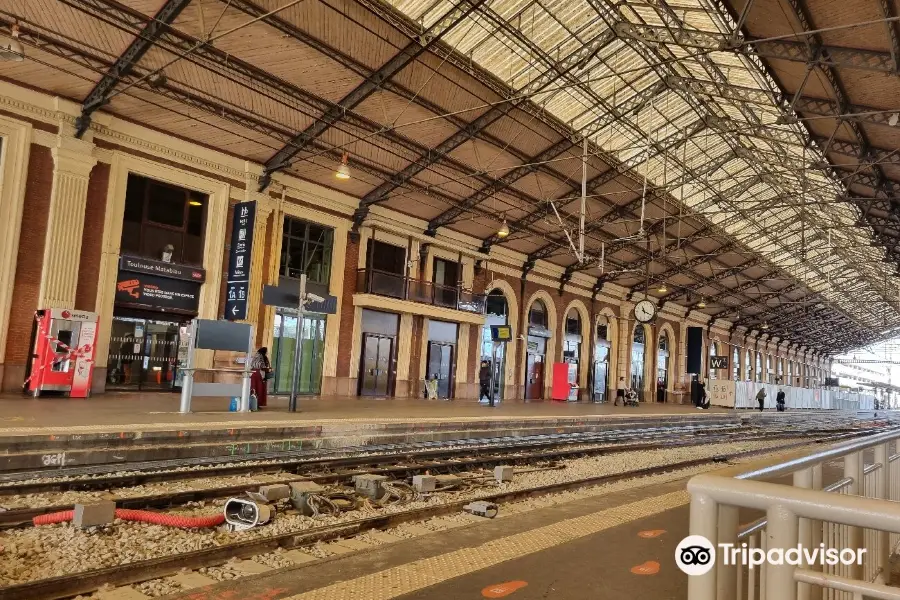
(761, 398)
(260, 371)
(779, 401)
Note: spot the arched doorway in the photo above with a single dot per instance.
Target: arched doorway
(770, 375)
(713, 351)
(495, 354)
(662, 367)
(759, 373)
(779, 370)
(536, 358)
(639, 342)
(790, 373)
(602, 354)
(572, 349)
(736, 364)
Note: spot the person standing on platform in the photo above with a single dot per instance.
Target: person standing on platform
(620, 392)
(761, 398)
(259, 373)
(779, 401)
(484, 378)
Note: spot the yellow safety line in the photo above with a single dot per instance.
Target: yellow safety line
(420, 574)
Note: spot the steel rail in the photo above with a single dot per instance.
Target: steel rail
(22, 517)
(82, 583)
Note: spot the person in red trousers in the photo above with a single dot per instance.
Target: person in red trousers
(259, 372)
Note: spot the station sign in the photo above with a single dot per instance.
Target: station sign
(501, 333)
(161, 268)
(718, 362)
(237, 287)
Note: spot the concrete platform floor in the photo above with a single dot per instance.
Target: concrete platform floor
(24, 414)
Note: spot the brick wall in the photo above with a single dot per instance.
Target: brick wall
(92, 238)
(31, 254)
(345, 344)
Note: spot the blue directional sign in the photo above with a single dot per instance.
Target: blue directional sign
(237, 288)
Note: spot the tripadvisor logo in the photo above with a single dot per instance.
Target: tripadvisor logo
(696, 555)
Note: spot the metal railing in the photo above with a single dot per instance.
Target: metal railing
(856, 512)
(398, 286)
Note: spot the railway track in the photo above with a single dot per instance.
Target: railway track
(143, 570)
(142, 473)
(343, 471)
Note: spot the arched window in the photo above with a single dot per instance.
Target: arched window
(497, 314)
(748, 364)
(572, 346)
(537, 316)
(759, 371)
(662, 367)
(637, 361)
(602, 353)
(713, 351)
(769, 375)
(736, 364)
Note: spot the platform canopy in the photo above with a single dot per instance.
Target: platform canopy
(733, 164)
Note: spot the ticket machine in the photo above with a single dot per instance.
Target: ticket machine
(63, 344)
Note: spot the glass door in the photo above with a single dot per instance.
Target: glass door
(144, 354)
(375, 370)
(312, 353)
(440, 367)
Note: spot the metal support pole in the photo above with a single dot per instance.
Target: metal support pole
(704, 521)
(727, 576)
(883, 491)
(781, 533)
(804, 479)
(187, 382)
(494, 383)
(853, 469)
(295, 373)
(245, 383)
(584, 161)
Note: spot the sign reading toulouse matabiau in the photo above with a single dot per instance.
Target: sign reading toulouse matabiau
(147, 266)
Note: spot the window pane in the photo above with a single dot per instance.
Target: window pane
(134, 199)
(165, 204)
(157, 238)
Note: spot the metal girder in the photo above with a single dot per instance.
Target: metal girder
(720, 276)
(778, 49)
(653, 193)
(635, 104)
(753, 302)
(373, 82)
(125, 64)
(573, 61)
(803, 104)
(684, 268)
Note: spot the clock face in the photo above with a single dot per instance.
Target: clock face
(644, 311)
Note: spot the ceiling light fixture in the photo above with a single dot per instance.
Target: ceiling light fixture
(343, 170)
(11, 49)
(195, 203)
(702, 303)
(662, 289)
(764, 325)
(504, 229)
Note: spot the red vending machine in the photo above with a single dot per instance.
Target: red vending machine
(63, 343)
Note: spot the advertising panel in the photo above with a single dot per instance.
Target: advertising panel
(161, 293)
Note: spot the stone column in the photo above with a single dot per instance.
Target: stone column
(73, 160)
(404, 350)
(625, 340)
(259, 275)
(463, 359)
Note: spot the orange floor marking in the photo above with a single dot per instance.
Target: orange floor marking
(502, 590)
(652, 533)
(651, 567)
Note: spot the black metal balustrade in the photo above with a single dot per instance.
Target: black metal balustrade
(393, 285)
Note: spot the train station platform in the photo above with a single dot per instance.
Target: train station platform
(128, 411)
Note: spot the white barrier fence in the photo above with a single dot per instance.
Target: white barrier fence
(742, 394)
(857, 511)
